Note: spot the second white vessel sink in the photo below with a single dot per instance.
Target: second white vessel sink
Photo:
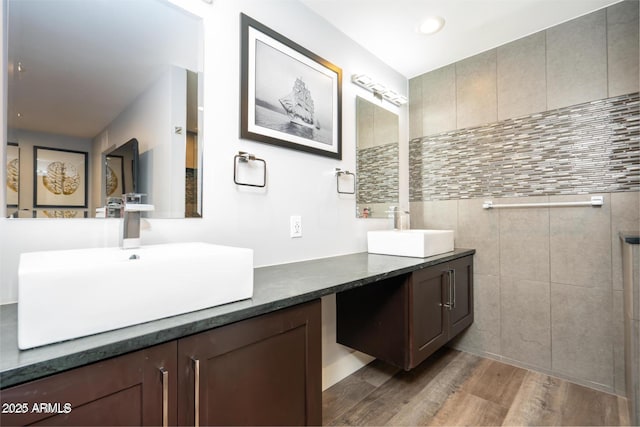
(73, 293)
(411, 243)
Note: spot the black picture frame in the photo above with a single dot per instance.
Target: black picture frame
(59, 178)
(290, 96)
(116, 165)
(13, 175)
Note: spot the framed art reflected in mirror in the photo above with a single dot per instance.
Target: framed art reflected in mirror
(13, 176)
(59, 178)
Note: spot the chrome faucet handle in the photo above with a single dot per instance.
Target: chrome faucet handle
(132, 197)
(132, 203)
(138, 207)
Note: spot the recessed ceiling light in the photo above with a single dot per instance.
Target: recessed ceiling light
(432, 25)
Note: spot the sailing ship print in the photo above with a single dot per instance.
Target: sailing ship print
(299, 105)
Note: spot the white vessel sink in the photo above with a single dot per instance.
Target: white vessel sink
(73, 293)
(411, 243)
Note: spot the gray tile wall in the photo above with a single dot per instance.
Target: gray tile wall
(590, 147)
(563, 124)
(622, 42)
(589, 58)
(476, 100)
(547, 293)
(521, 75)
(377, 174)
(439, 100)
(577, 61)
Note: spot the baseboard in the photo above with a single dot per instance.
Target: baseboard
(596, 386)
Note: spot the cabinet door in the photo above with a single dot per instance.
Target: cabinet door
(126, 390)
(261, 371)
(428, 325)
(461, 313)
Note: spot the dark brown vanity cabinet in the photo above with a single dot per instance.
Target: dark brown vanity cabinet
(403, 320)
(265, 370)
(138, 388)
(262, 371)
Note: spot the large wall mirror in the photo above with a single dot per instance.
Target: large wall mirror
(378, 134)
(85, 80)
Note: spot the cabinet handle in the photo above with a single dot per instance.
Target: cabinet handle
(451, 278)
(453, 288)
(447, 304)
(165, 397)
(196, 392)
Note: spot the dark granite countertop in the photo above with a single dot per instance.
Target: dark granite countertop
(631, 237)
(275, 287)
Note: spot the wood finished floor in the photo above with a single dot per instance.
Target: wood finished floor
(456, 388)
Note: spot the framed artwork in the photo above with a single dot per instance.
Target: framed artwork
(13, 175)
(289, 96)
(114, 176)
(59, 178)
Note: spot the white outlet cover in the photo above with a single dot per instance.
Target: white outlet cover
(296, 226)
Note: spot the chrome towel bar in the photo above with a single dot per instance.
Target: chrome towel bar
(595, 201)
(339, 172)
(243, 157)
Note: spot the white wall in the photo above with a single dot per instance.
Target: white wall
(298, 183)
(151, 119)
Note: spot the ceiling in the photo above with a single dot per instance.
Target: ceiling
(65, 86)
(74, 65)
(388, 28)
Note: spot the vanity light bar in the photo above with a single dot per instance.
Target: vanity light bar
(378, 89)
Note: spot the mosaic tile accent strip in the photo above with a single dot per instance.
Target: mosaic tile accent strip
(378, 174)
(586, 148)
(191, 193)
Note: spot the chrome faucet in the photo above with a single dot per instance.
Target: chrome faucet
(394, 214)
(131, 208)
(398, 223)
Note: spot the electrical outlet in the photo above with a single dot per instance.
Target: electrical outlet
(296, 226)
